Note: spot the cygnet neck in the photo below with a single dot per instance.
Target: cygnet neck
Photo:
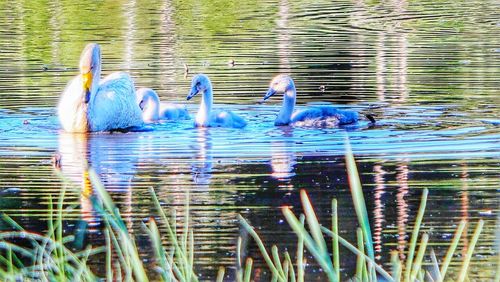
(152, 107)
(203, 115)
(285, 114)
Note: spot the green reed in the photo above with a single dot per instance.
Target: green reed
(51, 257)
(366, 268)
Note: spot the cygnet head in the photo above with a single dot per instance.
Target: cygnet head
(280, 84)
(200, 83)
(146, 95)
(149, 102)
(90, 67)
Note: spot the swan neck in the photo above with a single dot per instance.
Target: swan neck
(152, 108)
(95, 82)
(206, 104)
(285, 114)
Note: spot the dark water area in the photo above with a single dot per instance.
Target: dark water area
(428, 71)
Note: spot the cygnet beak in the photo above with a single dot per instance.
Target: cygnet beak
(192, 93)
(269, 93)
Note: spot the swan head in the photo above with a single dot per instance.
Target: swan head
(145, 96)
(149, 102)
(90, 67)
(280, 84)
(200, 83)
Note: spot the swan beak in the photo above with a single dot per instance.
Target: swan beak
(269, 93)
(87, 84)
(192, 93)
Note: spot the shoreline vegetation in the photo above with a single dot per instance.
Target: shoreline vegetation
(53, 257)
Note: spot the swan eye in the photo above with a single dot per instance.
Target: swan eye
(141, 105)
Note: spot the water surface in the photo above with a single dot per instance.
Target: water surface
(427, 71)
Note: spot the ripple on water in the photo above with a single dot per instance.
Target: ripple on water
(427, 71)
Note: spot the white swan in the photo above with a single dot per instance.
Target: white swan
(205, 116)
(153, 110)
(316, 116)
(90, 104)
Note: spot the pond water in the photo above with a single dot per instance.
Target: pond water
(428, 71)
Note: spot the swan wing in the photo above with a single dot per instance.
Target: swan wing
(347, 117)
(227, 119)
(313, 113)
(114, 105)
(343, 116)
(324, 116)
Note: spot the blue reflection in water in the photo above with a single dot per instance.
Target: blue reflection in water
(414, 132)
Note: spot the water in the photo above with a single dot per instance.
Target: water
(427, 71)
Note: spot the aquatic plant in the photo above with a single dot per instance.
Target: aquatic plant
(367, 269)
(30, 256)
(52, 257)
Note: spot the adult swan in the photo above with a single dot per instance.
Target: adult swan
(91, 104)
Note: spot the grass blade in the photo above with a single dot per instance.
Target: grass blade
(360, 262)
(292, 271)
(358, 199)
(470, 251)
(434, 272)
(420, 255)
(277, 262)
(396, 266)
(109, 269)
(298, 228)
(335, 240)
(451, 249)
(353, 249)
(414, 235)
(248, 270)
(220, 274)
(116, 220)
(239, 267)
(262, 249)
(313, 223)
(300, 252)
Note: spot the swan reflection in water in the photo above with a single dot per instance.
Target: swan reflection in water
(202, 165)
(104, 154)
(283, 158)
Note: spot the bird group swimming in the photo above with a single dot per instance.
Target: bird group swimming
(90, 103)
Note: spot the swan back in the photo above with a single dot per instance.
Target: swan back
(324, 116)
(170, 111)
(115, 104)
(227, 119)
